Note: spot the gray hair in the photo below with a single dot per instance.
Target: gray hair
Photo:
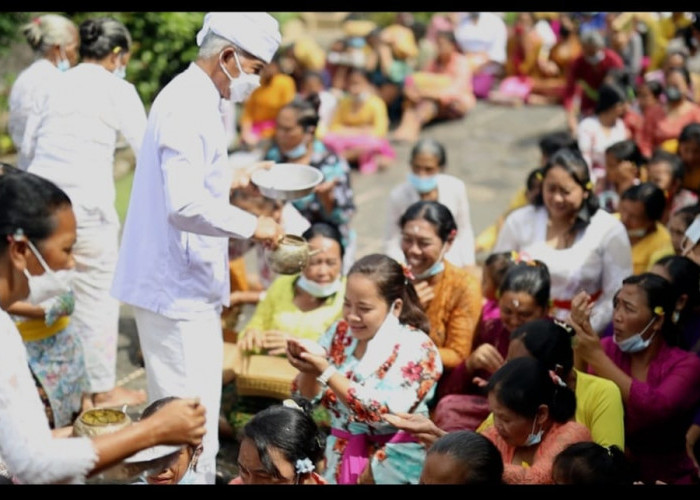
(45, 31)
(592, 37)
(212, 44)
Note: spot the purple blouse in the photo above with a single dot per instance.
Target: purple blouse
(660, 410)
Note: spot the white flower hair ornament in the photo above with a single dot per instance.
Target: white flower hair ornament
(304, 465)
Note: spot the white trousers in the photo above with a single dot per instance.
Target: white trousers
(184, 358)
(95, 319)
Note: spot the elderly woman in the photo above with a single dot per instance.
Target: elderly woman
(301, 305)
(54, 39)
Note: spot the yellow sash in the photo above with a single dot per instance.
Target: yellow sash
(32, 330)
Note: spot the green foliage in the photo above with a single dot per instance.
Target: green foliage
(9, 28)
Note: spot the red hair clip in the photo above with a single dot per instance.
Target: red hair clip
(407, 272)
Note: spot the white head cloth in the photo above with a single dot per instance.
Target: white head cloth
(255, 32)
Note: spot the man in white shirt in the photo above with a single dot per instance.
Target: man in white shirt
(173, 262)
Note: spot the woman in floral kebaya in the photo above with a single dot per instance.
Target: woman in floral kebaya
(377, 360)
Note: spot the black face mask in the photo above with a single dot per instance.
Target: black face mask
(673, 93)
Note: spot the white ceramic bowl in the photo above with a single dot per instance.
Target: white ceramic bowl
(287, 181)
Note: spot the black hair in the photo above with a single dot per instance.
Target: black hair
(306, 109)
(430, 146)
(534, 175)
(497, 265)
(609, 95)
(627, 150)
(101, 36)
(156, 405)
(673, 160)
(650, 195)
(528, 277)
(388, 275)
(685, 276)
(655, 87)
(481, 461)
(434, 212)
(590, 463)
(523, 384)
(550, 342)
(290, 430)
(450, 37)
(690, 132)
(659, 293)
(327, 230)
(554, 141)
(28, 204)
(574, 164)
(684, 73)
(687, 214)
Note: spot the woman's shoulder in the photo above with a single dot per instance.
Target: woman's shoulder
(525, 213)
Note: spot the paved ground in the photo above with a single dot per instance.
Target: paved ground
(491, 150)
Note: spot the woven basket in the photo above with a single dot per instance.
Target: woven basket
(266, 376)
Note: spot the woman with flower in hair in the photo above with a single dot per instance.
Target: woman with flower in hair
(583, 247)
(281, 445)
(376, 360)
(659, 382)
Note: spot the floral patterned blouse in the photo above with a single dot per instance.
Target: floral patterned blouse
(398, 373)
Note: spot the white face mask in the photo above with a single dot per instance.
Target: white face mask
(635, 343)
(318, 290)
(242, 86)
(51, 286)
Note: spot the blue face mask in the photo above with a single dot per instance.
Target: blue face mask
(436, 268)
(63, 63)
(318, 290)
(296, 152)
(188, 478)
(120, 72)
(422, 184)
(534, 437)
(635, 343)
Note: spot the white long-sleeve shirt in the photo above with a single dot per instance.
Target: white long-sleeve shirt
(488, 34)
(76, 136)
(599, 259)
(452, 192)
(173, 258)
(27, 93)
(28, 449)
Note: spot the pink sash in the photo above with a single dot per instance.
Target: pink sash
(355, 455)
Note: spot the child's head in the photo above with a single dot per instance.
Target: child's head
(495, 268)
(589, 463)
(641, 207)
(186, 461)
(666, 171)
(462, 457)
(546, 340)
(524, 293)
(623, 161)
(311, 83)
